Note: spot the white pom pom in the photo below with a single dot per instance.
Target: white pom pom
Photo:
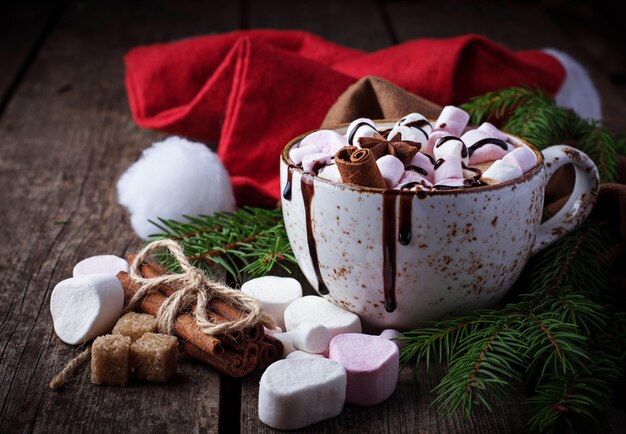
(173, 178)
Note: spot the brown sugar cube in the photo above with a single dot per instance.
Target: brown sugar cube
(134, 325)
(153, 357)
(109, 360)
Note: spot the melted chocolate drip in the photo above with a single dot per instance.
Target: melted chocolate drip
(418, 170)
(389, 249)
(473, 182)
(354, 130)
(487, 141)
(418, 124)
(404, 220)
(445, 139)
(447, 187)
(439, 162)
(308, 191)
(287, 189)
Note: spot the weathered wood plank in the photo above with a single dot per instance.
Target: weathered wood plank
(408, 410)
(66, 137)
(518, 25)
(23, 26)
(357, 24)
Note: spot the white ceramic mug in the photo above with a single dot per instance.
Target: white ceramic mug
(396, 258)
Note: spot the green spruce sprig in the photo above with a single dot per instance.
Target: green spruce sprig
(531, 113)
(249, 242)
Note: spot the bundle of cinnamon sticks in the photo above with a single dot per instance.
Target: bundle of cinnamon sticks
(235, 354)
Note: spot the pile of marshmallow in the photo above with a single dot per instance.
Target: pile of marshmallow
(328, 361)
(451, 155)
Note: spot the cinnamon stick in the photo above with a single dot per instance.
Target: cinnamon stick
(270, 350)
(358, 166)
(229, 363)
(186, 327)
(152, 270)
(219, 311)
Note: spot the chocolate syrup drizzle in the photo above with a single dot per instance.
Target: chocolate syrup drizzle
(487, 141)
(354, 130)
(287, 189)
(417, 169)
(441, 141)
(308, 191)
(404, 219)
(389, 249)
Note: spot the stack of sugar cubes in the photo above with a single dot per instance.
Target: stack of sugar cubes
(88, 306)
(450, 156)
(328, 361)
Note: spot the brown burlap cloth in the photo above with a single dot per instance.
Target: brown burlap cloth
(375, 98)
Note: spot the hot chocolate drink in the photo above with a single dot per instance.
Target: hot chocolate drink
(414, 154)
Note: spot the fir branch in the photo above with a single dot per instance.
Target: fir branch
(251, 241)
(493, 106)
(596, 141)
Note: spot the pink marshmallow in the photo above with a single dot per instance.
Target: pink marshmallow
(452, 183)
(492, 131)
(327, 141)
(480, 153)
(521, 157)
(424, 166)
(312, 162)
(432, 140)
(394, 334)
(391, 168)
(371, 363)
(410, 176)
(296, 155)
(453, 120)
(449, 167)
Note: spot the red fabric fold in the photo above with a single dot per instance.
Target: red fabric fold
(253, 91)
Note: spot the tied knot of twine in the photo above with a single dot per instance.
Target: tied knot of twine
(193, 287)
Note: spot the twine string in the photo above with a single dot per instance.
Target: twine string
(194, 287)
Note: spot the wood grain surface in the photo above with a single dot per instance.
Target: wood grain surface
(66, 135)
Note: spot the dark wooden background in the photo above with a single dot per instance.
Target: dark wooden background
(66, 135)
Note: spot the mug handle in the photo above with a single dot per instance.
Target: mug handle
(580, 202)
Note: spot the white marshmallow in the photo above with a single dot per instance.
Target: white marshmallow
(330, 172)
(85, 307)
(297, 354)
(361, 127)
(172, 179)
(298, 392)
(391, 168)
(500, 171)
(450, 145)
(274, 293)
(408, 133)
(416, 117)
(308, 336)
(312, 308)
(101, 264)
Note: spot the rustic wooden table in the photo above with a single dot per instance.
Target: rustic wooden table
(66, 135)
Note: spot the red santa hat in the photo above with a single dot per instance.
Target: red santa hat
(253, 91)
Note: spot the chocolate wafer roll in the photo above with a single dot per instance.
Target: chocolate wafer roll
(358, 166)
